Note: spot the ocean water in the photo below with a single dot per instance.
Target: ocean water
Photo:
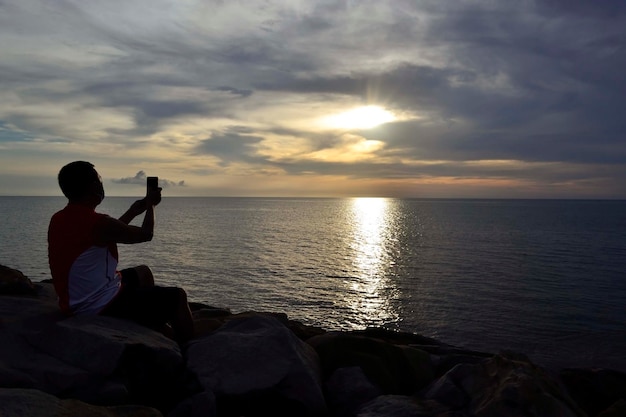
(543, 277)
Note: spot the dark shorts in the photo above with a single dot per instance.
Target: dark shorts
(149, 306)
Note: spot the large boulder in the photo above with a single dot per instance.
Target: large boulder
(22, 364)
(34, 403)
(97, 343)
(18, 309)
(257, 366)
(595, 390)
(145, 364)
(395, 406)
(393, 369)
(618, 409)
(506, 385)
(13, 281)
(101, 360)
(348, 389)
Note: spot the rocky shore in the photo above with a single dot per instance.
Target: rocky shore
(264, 364)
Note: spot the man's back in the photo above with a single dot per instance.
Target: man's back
(84, 274)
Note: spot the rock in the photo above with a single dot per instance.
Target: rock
(448, 390)
(256, 366)
(97, 343)
(400, 338)
(302, 331)
(23, 366)
(201, 311)
(503, 386)
(595, 390)
(393, 369)
(616, 410)
(205, 326)
(98, 359)
(34, 403)
(199, 405)
(421, 366)
(15, 282)
(393, 405)
(348, 389)
(448, 361)
(266, 364)
(42, 306)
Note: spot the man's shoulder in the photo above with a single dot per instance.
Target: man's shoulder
(77, 209)
(73, 214)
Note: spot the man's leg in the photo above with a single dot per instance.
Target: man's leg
(182, 323)
(144, 274)
(154, 307)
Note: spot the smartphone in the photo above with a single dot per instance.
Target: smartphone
(151, 183)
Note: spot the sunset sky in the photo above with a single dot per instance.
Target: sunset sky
(399, 98)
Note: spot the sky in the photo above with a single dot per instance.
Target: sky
(423, 99)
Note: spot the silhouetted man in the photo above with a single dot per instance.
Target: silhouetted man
(82, 252)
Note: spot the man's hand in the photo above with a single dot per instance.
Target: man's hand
(138, 207)
(153, 197)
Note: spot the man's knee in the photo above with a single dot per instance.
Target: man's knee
(146, 279)
(182, 295)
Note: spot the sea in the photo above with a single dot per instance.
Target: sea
(546, 278)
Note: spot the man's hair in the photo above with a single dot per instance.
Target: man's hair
(75, 179)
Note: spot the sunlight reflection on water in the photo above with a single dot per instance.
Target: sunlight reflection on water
(370, 290)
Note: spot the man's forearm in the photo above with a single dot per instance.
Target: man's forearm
(133, 211)
(128, 216)
(148, 221)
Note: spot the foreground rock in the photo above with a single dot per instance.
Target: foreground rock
(14, 282)
(34, 403)
(257, 364)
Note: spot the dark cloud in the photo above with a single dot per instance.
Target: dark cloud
(520, 83)
(608, 9)
(427, 141)
(236, 91)
(149, 114)
(231, 146)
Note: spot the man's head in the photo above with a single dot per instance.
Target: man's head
(80, 181)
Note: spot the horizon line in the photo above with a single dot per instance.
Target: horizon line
(348, 197)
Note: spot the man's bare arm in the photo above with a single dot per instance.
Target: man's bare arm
(120, 231)
(133, 211)
(110, 230)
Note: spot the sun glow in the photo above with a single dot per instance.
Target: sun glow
(365, 117)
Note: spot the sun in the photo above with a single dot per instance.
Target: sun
(364, 117)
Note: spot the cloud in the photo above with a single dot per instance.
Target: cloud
(140, 179)
(231, 147)
(236, 89)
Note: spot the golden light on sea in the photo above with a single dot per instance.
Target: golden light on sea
(371, 287)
